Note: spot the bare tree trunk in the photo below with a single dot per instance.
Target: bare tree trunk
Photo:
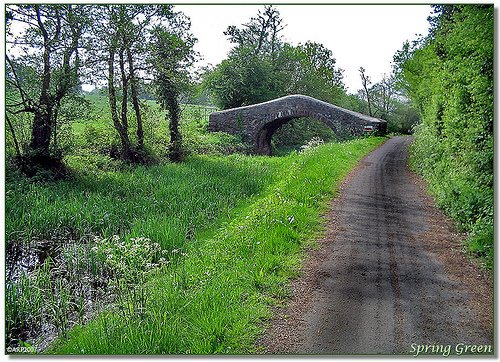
(122, 131)
(175, 147)
(41, 131)
(54, 127)
(124, 79)
(135, 101)
(365, 80)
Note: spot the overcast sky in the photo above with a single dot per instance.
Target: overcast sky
(358, 35)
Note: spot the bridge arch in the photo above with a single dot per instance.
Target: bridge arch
(257, 123)
(267, 130)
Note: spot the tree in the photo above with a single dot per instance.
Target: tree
(314, 72)
(261, 33)
(243, 78)
(384, 97)
(251, 73)
(365, 80)
(262, 67)
(125, 31)
(386, 101)
(172, 55)
(43, 64)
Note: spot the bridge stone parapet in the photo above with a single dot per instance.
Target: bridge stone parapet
(257, 123)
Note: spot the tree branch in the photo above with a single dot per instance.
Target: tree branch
(27, 102)
(14, 138)
(23, 110)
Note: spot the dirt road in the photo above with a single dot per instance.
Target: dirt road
(389, 273)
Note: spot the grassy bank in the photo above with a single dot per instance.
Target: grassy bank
(164, 259)
(214, 297)
(54, 226)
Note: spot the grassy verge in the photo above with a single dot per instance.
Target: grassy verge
(213, 297)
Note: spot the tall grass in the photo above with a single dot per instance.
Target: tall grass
(215, 297)
(168, 204)
(165, 203)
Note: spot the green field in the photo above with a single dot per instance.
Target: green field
(172, 258)
(99, 114)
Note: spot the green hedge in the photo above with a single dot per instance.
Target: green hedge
(449, 76)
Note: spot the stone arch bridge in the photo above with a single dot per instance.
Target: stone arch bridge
(257, 123)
